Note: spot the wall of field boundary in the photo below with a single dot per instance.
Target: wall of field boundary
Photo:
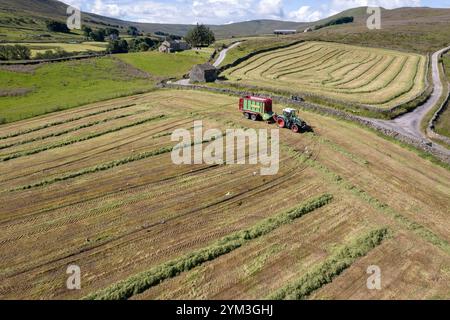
(430, 131)
(32, 62)
(418, 143)
(396, 111)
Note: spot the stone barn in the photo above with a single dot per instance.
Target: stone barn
(203, 73)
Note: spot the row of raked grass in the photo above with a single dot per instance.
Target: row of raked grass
(147, 279)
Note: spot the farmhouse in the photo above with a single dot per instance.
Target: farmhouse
(309, 29)
(203, 73)
(174, 46)
(284, 32)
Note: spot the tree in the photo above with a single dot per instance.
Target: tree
(117, 46)
(98, 35)
(56, 26)
(86, 31)
(16, 52)
(200, 36)
(141, 44)
(133, 31)
(111, 31)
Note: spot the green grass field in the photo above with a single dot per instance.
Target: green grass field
(163, 65)
(59, 86)
(443, 124)
(42, 47)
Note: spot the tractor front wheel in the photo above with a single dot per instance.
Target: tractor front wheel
(295, 128)
(281, 123)
(247, 115)
(254, 117)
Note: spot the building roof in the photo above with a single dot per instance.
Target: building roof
(205, 67)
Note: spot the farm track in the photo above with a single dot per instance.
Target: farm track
(367, 79)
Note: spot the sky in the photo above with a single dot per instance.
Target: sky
(229, 11)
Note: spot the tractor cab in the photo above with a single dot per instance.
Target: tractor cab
(290, 120)
(289, 113)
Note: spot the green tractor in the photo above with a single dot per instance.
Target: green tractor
(290, 120)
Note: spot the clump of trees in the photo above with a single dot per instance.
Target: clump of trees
(56, 26)
(142, 44)
(100, 34)
(16, 52)
(200, 36)
(342, 20)
(133, 31)
(117, 46)
(50, 54)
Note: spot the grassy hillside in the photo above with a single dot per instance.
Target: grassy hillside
(443, 124)
(34, 12)
(419, 30)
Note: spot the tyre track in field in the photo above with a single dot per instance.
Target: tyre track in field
(83, 204)
(126, 139)
(254, 190)
(61, 122)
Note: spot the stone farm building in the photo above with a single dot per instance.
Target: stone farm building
(203, 73)
(174, 46)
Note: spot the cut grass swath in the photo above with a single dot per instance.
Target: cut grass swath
(56, 123)
(147, 279)
(325, 272)
(76, 140)
(60, 133)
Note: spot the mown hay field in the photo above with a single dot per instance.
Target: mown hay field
(95, 187)
(365, 76)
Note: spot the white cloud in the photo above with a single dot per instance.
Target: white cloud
(339, 5)
(223, 11)
(305, 14)
(271, 9)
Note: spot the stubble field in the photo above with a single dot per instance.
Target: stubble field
(96, 187)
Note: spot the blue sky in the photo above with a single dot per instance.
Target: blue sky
(228, 11)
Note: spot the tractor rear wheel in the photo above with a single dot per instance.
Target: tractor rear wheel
(295, 128)
(247, 115)
(281, 123)
(254, 117)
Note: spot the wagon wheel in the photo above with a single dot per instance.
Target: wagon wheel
(295, 128)
(281, 123)
(254, 117)
(246, 115)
